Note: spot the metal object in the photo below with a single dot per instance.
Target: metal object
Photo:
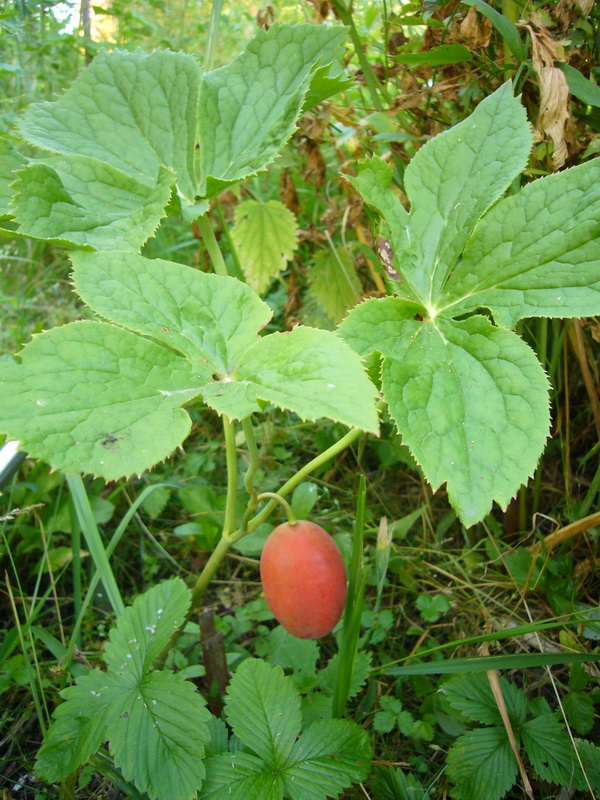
(11, 459)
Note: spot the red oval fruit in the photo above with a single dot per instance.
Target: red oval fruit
(304, 579)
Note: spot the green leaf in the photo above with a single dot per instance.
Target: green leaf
(326, 759)
(208, 318)
(307, 371)
(505, 27)
(157, 736)
(240, 776)
(250, 106)
(87, 202)
(113, 412)
(453, 180)
(535, 253)
(134, 111)
(146, 627)
(472, 695)
(432, 608)
(550, 750)
(482, 764)
(304, 497)
(444, 54)
(580, 86)
(333, 280)
(388, 783)
(483, 663)
(266, 235)
(590, 757)
(579, 708)
(10, 161)
(289, 652)
(435, 377)
(263, 709)
(78, 728)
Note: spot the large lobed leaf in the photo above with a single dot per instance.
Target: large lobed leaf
(93, 397)
(249, 108)
(469, 398)
(123, 139)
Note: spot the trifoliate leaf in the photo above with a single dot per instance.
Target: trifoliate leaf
(590, 758)
(392, 784)
(250, 106)
(88, 202)
(482, 764)
(536, 253)
(240, 776)
(472, 695)
(579, 708)
(165, 717)
(263, 709)
(333, 281)
(266, 235)
(145, 628)
(89, 397)
(135, 111)
(327, 758)
(550, 750)
(78, 728)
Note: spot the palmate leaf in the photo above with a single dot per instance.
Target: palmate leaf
(470, 399)
(134, 111)
(10, 161)
(116, 408)
(536, 253)
(266, 235)
(94, 398)
(126, 133)
(89, 203)
(249, 108)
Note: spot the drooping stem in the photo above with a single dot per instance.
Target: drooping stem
(278, 499)
(287, 487)
(210, 242)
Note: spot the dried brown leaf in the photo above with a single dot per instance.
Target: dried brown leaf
(554, 111)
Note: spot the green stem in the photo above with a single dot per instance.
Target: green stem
(277, 498)
(288, 486)
(238, 272)
(253, 453)
(210, 242)
(231, 456)
(213, 32)
(227, 539)
(373, 84)
(511, 11)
